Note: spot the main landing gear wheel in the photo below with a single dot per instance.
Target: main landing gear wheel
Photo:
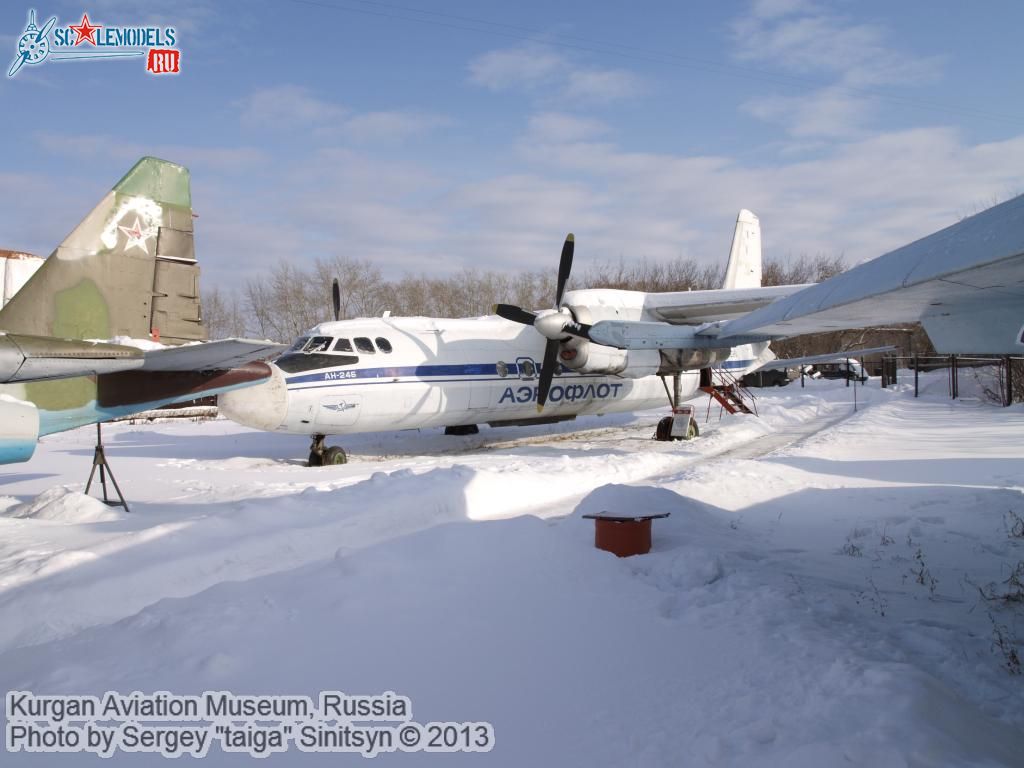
(663, 431)
(334, 455)
(320, 455)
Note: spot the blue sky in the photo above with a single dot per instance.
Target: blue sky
(430, 137)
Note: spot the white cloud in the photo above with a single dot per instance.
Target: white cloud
(190, 16)
(770, 9)
(828, 112)
(515, 67)
(391, 126)
(285, 107)
(816, 44)
(126, 153)
(859, 196)
(560, 127)
(814, 41)
(603, 85)
(538, 70)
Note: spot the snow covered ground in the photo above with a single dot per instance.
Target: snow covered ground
(814, 599)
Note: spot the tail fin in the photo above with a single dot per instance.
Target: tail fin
(744, 269)
(128, 269)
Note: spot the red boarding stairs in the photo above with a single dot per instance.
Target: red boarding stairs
(726, 389)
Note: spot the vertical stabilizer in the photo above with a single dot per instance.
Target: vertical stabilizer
(128, 269)
(744, 269)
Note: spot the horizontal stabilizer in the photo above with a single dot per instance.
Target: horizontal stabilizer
(832, 357)
(211, 356)
(26, 358)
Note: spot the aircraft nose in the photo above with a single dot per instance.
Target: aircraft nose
(262, 406)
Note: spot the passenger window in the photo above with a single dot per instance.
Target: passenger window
(383, 344)
(318, 344)
(364, 345)
(343, 345)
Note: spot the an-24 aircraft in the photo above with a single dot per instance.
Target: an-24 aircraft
(388, 373)
(597, 351)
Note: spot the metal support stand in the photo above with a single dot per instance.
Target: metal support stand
(1009, 381)
(954, 378)
(917, 371)
(99, 460)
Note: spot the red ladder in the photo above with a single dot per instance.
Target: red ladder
(727, 390)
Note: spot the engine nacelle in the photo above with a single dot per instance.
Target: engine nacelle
(19, 429)
(676, 360)
(587, 357)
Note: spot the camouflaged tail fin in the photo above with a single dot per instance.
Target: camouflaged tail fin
(128, 269)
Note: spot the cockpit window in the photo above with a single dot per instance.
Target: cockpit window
(296, 362)
(364, 345)
(318, 344)
(343, 345)
(383, 344)
(299, 344)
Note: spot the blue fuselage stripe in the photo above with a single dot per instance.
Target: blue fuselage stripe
(348, 375)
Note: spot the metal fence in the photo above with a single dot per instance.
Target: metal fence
(1007, 385)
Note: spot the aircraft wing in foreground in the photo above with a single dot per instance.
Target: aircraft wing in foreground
(964, 284)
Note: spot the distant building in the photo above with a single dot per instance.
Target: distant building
(15, 270)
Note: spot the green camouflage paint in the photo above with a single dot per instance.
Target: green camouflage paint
(80, 312)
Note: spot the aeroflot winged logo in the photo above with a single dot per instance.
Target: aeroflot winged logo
(87, 40)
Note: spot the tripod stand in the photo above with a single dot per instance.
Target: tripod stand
(99, 459)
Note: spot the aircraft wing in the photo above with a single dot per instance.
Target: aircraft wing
(831, 357)
(211, 356)
(698, 307)
(965, 284)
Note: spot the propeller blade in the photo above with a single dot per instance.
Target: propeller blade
(547, 373)
(514, 313)
(582, 330)
(336, 298)
(564, 267)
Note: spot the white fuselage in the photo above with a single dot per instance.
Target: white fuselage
(438, 372)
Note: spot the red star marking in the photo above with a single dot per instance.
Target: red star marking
(86, 32)
(136, 237)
